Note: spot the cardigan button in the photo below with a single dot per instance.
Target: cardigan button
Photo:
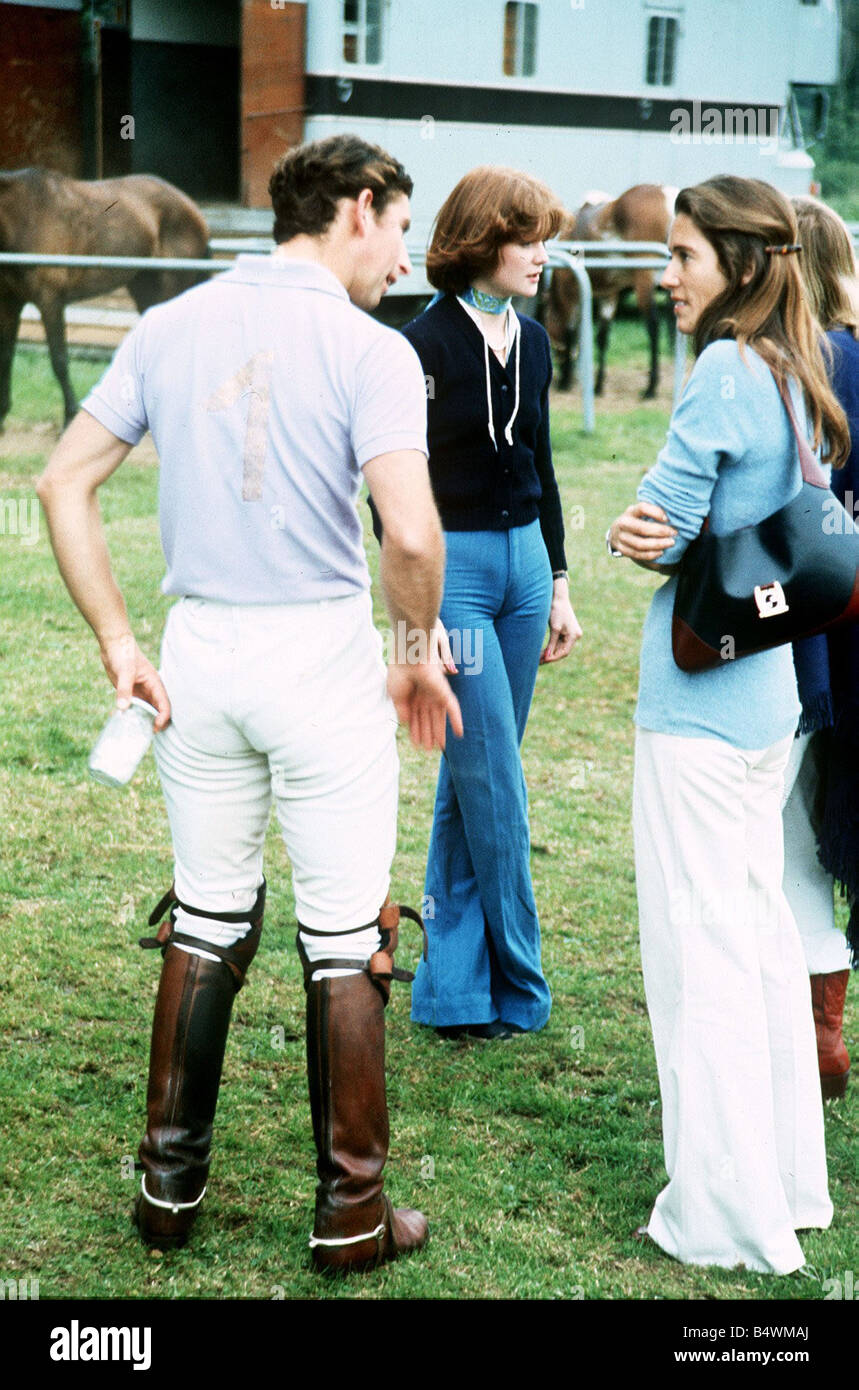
(505, 513)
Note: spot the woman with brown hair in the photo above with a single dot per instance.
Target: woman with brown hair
(488, 374)
(726, 984)
(822, 808)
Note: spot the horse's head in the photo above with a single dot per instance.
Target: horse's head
(567, 229)
(594, 217)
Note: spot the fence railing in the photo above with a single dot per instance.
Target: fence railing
(577, 256)
(582, 256)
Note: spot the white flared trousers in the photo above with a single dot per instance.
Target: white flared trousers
(730, 1007)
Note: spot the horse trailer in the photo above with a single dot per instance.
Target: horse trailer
(586, 94)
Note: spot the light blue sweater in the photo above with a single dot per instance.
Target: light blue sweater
(730, 454)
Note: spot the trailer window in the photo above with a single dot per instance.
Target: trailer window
(661, 48)
(520, 39)
(362, 31)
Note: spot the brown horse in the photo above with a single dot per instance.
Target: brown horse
(642, 213)
(45, 212)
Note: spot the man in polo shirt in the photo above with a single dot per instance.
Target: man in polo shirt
(268, 393)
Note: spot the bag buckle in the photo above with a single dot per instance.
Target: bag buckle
(770, 600)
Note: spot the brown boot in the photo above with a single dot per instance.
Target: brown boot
(189, 1036)
(828, 993)
(356, 1227)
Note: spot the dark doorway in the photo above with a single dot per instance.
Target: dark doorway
(185, 103)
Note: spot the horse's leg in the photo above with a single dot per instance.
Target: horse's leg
(571, 351)
(10, 314)
(607, 309)
(567, 357)
(55, 332)
(569, 325)
(670, 323)
(651, 319)
(560, 312)
(650, 313)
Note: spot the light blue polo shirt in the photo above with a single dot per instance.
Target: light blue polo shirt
(266, 391)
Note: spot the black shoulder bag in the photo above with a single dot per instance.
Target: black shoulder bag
(792, 575)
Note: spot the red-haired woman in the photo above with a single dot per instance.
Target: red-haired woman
(488, 375)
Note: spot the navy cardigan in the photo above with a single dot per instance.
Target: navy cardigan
(476, 486)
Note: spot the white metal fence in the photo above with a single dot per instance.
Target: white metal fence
(577, 256)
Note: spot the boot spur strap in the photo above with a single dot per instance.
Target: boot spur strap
(175, 1207)
(347, 1240)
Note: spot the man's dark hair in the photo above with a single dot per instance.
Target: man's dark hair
(309, 181)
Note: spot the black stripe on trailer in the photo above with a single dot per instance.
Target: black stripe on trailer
(365, 97)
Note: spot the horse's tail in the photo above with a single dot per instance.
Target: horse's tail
(181, 231)
(182, 228)
(199, 277)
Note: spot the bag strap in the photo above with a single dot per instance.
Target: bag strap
(811, 470)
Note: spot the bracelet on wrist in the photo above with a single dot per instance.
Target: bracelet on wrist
(615, 554)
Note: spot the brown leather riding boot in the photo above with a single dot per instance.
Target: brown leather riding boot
(828, 993)
(189, 1036)
(356, 1227)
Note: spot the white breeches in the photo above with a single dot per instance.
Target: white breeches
(284, 704)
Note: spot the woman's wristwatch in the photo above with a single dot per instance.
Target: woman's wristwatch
(616, 554)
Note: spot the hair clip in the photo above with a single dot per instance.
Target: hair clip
(782, 250)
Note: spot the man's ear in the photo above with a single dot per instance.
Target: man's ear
(747, 274)
(363, 208)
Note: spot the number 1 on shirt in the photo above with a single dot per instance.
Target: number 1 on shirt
(255, 377)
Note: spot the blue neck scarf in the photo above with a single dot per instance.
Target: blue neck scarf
(486, 303)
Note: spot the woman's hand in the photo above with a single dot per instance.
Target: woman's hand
(642, 533)
(564, 627)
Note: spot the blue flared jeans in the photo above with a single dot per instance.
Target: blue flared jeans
(483, 958)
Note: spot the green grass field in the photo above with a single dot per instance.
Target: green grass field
(535, 1159)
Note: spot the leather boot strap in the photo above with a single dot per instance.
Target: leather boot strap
(237, 958)
(380, 967)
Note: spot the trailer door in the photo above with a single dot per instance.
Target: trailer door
(272, 119)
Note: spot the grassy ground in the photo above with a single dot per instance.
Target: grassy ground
(534, 1159)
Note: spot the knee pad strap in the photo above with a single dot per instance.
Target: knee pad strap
(237, 958)
(380, 966)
